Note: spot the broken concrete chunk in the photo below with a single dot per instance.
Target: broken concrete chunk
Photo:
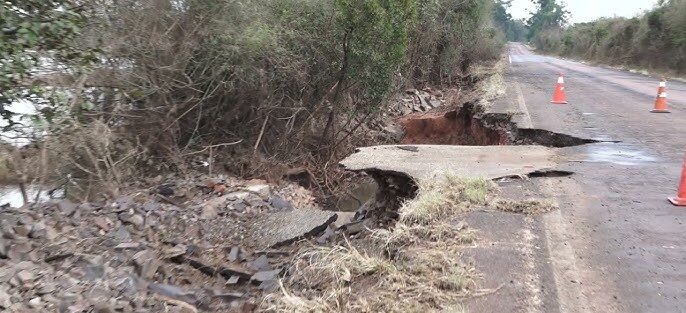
(432, 161)
(5, 302)
(137, 220)
(282, 228)
(175, 251)
(66, 207)
(45, 288)
(128, 246)
(93, 272)
(151, 206)
(146, 263)
(50, 233)
(233, 254)
(343, 218)
(238, 195)
(262, 190)
(233, 280)
(208, 212)
(22, 230)
(173, 292)
(260, 264)
(228, 297)
(149, 268)
(264, 276)
(35, 303)
(25, 277)
(38, 230)
(279, 203)
(102, 223)
(233, 270)
(122, 234)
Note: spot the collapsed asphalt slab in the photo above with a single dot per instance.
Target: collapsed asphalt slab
(426, 161)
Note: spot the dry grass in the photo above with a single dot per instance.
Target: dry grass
(492, 86)
(402, 236)
(438, 198)
(532, 206)
(420, 279)
(457, 308)
(413, 267)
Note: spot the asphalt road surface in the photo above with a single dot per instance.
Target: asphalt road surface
(616, 244)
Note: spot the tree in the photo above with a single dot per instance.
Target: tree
(549, 14)
(514, 30)
(374, 38)
(35, 31)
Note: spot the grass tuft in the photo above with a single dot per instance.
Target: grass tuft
(439, 198)
(413, 267)
(533, 206)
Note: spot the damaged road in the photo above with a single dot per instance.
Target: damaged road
(427, 161)
(616, 244)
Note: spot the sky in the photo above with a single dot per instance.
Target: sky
(589, 10)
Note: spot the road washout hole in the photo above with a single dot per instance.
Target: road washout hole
(469, 125)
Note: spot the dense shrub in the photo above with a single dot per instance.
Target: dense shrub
(655, 40)
(259, 83)
(449, 37)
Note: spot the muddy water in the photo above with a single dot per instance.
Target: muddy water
(364, 191)
(617, 154)
(12, 195)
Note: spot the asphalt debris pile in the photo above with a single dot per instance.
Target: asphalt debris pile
(219, 245)
(416, 100)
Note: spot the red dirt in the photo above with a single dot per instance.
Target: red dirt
(451, 128)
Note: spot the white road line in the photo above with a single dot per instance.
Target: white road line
(527, 123)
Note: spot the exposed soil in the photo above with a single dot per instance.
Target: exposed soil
(469, 125)
(457, 127)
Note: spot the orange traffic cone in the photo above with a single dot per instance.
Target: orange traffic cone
(559, 97)
(661, 101)
(680, 199)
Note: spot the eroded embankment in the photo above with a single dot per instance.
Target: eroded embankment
(470, 125)
(396, 169)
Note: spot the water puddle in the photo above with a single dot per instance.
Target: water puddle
(617, 154)
(11, 195)
(364, 191)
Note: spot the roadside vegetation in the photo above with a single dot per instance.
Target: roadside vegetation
(656, 40)
(413, 266)
(254, 88)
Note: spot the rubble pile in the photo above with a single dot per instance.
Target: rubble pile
(418, 101)
(184, 247)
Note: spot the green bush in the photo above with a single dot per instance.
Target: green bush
(449, 37)
(289, 82)
(656, 40)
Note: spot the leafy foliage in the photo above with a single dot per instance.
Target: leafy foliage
(33, 30)
(270, 84)
(627, 41)
(449, 37)
(549, 15)
(514, 29)
(375, 34)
